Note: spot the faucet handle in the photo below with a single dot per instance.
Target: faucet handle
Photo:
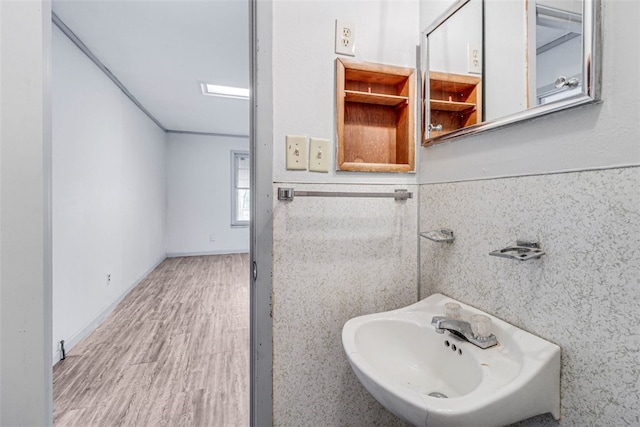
(481, 326)
(452, 310)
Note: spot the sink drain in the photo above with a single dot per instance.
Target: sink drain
(438, 395)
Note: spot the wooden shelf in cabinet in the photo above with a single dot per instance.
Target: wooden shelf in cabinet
(374, 117)
(374, 98)
(455, 101)
(437, 104)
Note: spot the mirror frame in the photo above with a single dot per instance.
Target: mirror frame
(591, 70)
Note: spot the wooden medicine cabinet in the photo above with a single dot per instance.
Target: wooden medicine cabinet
(375, 117)
(455, 102)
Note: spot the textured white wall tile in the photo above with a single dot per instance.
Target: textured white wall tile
(334, 259)
(583, 295)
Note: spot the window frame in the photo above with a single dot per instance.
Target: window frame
(235, 155)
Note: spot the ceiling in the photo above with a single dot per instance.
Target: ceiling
(161, 50)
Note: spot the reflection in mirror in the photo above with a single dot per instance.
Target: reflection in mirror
(507, 70)
(558, 52)
(455, 71)
(492, 63)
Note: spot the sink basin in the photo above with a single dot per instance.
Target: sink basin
(431, 379)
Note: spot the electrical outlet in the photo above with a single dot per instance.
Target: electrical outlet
(319, 155)
(474, 58)
(345, 38)
(212, 237)
(108, 279)
(296, 152)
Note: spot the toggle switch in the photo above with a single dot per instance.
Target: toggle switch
(319, 156)
(296, 152)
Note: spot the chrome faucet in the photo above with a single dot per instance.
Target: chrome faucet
(463, 330)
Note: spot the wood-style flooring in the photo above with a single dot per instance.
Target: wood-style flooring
(174, 352)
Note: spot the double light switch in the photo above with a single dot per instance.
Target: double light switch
(318, 156)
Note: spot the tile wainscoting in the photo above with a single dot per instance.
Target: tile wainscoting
(583, 295)
(334, 259)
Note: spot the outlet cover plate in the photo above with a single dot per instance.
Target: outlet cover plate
(345, 38)
(319, 155)
(296, 152)
(474, 58)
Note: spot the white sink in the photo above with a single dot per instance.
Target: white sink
(404, 364)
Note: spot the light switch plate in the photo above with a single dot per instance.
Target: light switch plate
(319, 155)
(296, 152)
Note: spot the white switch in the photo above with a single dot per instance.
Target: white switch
(296, 152)
(319, 155)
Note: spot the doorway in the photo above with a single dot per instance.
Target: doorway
(26, 33)
(190, 134)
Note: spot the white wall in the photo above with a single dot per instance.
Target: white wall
(108, 194)
(596, 136)
(448, 43)
(304, 69)
(25, 270)
(199, 195)
(430, 10)
(332, 258)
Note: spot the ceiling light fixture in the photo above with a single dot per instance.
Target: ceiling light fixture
(224, 91)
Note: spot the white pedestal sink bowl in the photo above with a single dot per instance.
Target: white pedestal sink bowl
(431, 379)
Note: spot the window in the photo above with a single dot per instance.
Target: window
(240, 190)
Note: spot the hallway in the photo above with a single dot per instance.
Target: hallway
(174, 352)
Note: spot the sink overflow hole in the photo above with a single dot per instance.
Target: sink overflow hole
(438, 395)
(453, 347)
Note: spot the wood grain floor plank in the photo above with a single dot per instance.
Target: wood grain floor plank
(174, 352)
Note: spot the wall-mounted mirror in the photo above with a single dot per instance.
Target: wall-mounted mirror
(490, 63)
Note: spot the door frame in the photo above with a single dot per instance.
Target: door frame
(260, 135)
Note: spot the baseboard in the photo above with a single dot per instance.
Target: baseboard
(220, 252)
(97, 321)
